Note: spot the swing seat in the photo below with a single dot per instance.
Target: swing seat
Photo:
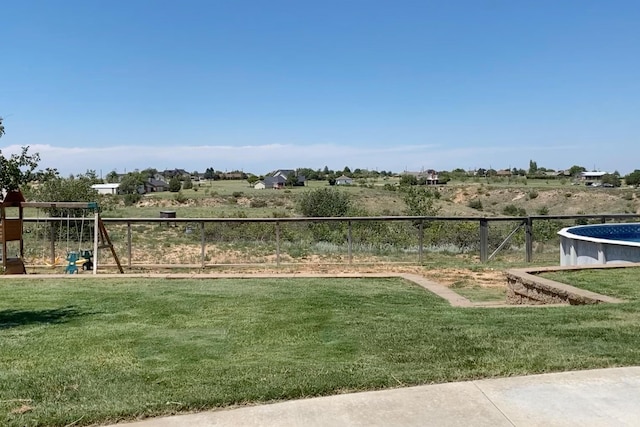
(56, 262)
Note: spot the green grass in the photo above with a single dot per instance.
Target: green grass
(97, 351)
(615, 282)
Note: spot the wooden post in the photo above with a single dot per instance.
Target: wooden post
(421, 242)
(278, 243)
(350, 242)
(53, 243)
(129, 249)
(203, 245)
(484, 240)
(96, 232)
(528, 238)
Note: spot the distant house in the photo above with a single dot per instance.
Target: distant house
(344, 180)
(285, 173)
(432, 177)
(504, 173)
(106, 188)
(153, 185)
(275, 182)
(592, 176)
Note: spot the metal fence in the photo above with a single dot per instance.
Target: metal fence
(210, 242)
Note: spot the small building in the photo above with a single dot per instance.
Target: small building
(592, 176)
(275, 182)
(155, 186)
(111, 188)
(344, 180)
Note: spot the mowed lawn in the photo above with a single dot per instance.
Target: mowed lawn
(101, 350)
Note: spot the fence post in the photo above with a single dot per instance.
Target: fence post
(202, 245)
(129, 249)
(484, 240)
(528, 240)
(350, 242)
(53, 244)
(421, 242)
(277, 243)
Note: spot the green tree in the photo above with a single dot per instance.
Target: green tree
(633, 178)
(131, 183)
(420, 201)
(611, 179)
(1, 128)
(112, 177)
(71, 189)
(17, 170)
(533, 167)
(408, 179)
(175, 185)
(576, 170)
(292, 180)
(324, 202)
(188, 184)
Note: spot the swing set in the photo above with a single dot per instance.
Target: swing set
(11, 229)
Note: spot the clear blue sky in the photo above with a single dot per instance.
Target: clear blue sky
(259, 85)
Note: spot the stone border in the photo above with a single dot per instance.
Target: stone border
(524, 286)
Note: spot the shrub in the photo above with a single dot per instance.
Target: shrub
(188, 184)
(258, 203)
(175, 185)
(324, 202)
(180, 197)
(543, 211)
(533, 194)
(513, 210)
(237, 194)
(475, 204)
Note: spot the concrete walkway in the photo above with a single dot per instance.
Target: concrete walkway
(602, 397)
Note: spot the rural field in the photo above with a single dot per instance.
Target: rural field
(93, 350)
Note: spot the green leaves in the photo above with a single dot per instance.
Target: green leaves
(17, 169)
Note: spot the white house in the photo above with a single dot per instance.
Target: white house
(344, 180)
(106, 188)
(592, 176)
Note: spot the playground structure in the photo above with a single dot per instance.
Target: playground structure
(11, 234)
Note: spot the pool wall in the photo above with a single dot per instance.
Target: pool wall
(600, 244)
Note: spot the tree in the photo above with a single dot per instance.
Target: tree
(1, 128)
(408, 179)
(112, 177)
(71, 189)
(420, 201)
(188, 184)
(533, 167)
(292, 180)
(324, 202)
(576, 170)
(633, 178)
(175, 185)
(611, 179)
(17, 170)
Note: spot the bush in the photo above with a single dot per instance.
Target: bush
(533, 194)
(175, 185)
(475, 204)
(188, 184)
(324, 202)
(180, 197)
(513, 210)
(237, 194)
(131, 199)
(258, 203)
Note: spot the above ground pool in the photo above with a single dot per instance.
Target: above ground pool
(600, 244)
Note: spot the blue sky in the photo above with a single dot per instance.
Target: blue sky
(260, 85)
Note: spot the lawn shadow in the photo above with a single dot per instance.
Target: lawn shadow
(15, 318)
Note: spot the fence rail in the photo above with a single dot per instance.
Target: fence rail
(278, 227)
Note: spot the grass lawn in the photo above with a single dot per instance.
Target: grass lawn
(102, 350)
(615, 282)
